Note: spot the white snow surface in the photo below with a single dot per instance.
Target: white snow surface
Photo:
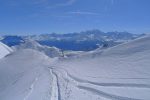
(24, 76)
(4, 50)
(118, 73)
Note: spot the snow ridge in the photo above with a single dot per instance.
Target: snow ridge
(4, 50)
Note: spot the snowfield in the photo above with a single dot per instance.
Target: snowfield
(117, 73)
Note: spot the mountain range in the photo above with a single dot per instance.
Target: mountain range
(77, 41)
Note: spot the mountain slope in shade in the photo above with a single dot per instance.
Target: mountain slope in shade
(12, 40)
(4, 50)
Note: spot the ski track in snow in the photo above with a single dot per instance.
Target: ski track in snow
(105, 95)
(54, 91)
(80, 84)
(132, 85)
(31, 88)
(56, 95)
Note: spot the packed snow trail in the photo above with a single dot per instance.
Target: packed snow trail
(31, 89)
(56, 95)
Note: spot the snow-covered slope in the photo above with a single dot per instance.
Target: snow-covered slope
(132, 47)
(127, 48)
(49, 51)
(4, 50)
(25, 76)
(118, 73)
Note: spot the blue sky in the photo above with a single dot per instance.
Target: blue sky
(63, 16)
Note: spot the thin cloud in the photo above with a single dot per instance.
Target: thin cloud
(43, 3)
(112, 2)
(68, 3)
(84, 13)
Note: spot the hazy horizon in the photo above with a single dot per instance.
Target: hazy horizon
(26, 34)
